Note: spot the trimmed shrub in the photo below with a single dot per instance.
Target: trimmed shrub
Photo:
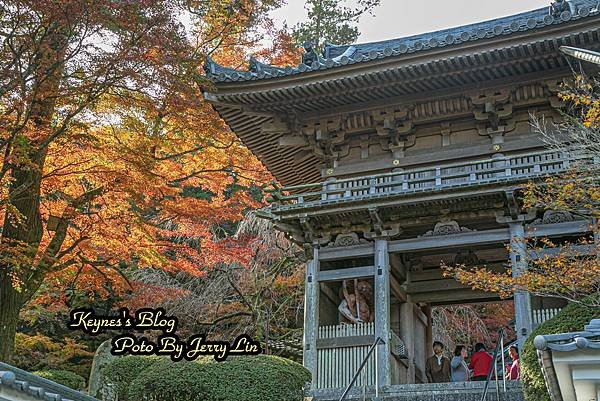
(64, 377)
(41, 353)
(247, 378)
(572, 318)
(120, 372)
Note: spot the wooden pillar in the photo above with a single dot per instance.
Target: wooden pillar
(311, 315)
(522, 299)
(407, 333)
(382, 311)
(428, 330)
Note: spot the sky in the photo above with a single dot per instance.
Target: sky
(398, 18)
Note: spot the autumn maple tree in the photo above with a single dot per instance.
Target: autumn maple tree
(567, 270)
(110, 158)
(262, 297)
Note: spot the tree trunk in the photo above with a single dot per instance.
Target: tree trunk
(14, 235)
(22, 231)
(11, 302)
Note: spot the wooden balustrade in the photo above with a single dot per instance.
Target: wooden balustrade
(515, 167)
(340, 359)
(341, 350)
(539, 316)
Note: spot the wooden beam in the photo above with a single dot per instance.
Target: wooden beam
(573, 250)
(346, 274)
(274, 127)
(214, 100)
(437, 274)
(448, 241)
(344, 342)
(455, 297)
(329, 293)
(396, 289)
(420, 315)
(288, 141)
(329, 254)
(556, 229)
(500, 235)
(397, 266)
(433, 285)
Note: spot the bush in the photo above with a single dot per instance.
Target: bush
(42, 353)
(248, 378)
(64, 377)
(572, 318)
(120, 372)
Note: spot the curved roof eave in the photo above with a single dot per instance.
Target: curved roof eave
(453, 38)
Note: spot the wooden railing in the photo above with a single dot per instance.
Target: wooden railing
(342, 349)
(505, 168)
(337, 364)
(539, 316)
(346, 330)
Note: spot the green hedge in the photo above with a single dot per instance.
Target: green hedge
(64, 377)
(247, 378)
(120, 372)
(572, 318)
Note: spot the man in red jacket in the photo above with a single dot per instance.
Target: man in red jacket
(480, 363)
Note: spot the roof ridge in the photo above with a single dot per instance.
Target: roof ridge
(37, 386)
(339, 55)
(442, 32)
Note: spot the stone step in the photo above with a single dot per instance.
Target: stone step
(469, 391)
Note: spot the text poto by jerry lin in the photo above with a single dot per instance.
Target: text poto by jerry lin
(128, 342)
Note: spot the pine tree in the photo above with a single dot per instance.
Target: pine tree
(332, 21)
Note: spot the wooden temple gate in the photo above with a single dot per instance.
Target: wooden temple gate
(399, 155)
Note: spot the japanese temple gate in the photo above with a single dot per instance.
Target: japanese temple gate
(400, 154)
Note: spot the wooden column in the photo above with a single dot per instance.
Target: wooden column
(382, 311)
(311, 315)
(522, 299)
(428, 330)
(407, 333)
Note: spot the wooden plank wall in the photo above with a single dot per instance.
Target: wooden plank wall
(336, 366)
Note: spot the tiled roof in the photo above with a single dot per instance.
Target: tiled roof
(38, 387)
(587, 339)
(337, 56)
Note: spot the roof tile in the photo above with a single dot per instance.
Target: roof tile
(358, 53)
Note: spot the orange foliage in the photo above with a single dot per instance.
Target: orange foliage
(120, 161)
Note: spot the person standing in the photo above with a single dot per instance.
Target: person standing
(459, 370)
(437, 367)
(514, 372)
(480, 363)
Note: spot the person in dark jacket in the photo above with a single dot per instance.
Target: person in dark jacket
(437, 367)
(480, 363)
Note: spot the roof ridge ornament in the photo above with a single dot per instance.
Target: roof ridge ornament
(259, 67)
(211, 67)
(310, 56)
(558, 7)
(346, 55)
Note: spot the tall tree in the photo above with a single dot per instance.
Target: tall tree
(332, 21)
(109, 156)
